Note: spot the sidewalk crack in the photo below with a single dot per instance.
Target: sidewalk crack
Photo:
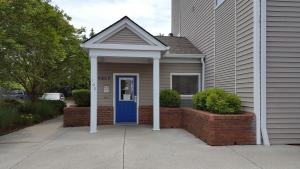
(124, 139)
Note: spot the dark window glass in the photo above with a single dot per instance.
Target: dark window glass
(185, 85)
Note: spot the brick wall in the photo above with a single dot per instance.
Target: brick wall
(80, 116)
(145, 115)
(220, 129)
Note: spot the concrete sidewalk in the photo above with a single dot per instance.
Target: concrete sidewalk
(49, 146)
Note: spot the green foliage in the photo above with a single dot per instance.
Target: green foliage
(39, 49)
(42, 110)
(25, 119)
(10, 103)
(81, 97)
(217, 101)
(8, 117)
(169, 98)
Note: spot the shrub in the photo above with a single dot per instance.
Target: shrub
(42, 110)
(81, 97)
(58, 105)
(10, 103)
(169, 98)
(217, 101)
(25, 119)
(8, 117)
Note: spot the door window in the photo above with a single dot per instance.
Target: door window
(126, 89)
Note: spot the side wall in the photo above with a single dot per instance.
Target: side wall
(105, 78)
(283, 71)
(225, 36)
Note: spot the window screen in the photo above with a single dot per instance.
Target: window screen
(185, 84)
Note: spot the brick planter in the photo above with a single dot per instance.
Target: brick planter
(220, 129)
(170, 117)
(80, 116)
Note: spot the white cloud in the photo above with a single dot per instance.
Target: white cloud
(152, 15)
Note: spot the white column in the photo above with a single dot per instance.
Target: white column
(156, 94)
(93, 108)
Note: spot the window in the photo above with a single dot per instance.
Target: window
(219, 2)
(126, 89)
(186, 84)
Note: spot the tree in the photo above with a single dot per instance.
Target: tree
(38, 46)
(92, 33)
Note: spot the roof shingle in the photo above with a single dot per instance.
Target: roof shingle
(179, 45)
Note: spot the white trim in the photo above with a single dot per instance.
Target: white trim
(264, 74)
(156, 89)
(138, 93)
(124, 47)
(94, 91)
(179, 60)
(186, 74)
(203, 74)
(184, 56)
(124, 53)
(257, 71)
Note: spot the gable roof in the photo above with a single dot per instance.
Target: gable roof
(129, 21)
(179, 45)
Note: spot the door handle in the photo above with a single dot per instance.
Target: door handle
(135, 98)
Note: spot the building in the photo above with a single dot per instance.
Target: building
(252, 48)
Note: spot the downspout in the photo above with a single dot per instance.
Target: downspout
(203, 73)
(256, 68)
(263, 125)
(259, 59)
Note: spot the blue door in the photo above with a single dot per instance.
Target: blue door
(126, 99)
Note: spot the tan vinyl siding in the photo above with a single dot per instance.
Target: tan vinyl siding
(283, 71)
(232, 28)
(197, 24)
(167, 69)
(107, 70)
(225, 46)
(244, 52)
(145, 74)
(125, 36)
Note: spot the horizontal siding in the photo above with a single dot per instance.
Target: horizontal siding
(145, 74)
(283, 71)
(244, 52)
(197, 24)
(107, 70)
(225, 46)
(125, 36)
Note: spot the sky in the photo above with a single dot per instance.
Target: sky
(152, 15)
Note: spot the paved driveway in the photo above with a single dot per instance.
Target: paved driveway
(49, 146)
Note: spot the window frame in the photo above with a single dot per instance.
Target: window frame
(186, 74)
(217, 5)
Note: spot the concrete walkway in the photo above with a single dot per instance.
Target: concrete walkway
(49, 146)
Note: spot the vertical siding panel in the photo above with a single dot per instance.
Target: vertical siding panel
(197, 24)
(225, 46)
(283, 71)
(244, 52)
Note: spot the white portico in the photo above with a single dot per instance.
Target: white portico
(134, 45)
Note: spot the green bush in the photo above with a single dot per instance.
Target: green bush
(10, 103)
(169, 98)
(8, 117)
(42, 110)
(81, 97)
(217, 101)
(25, 119)
(58, 105)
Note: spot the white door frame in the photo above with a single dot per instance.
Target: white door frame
(137, 93)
